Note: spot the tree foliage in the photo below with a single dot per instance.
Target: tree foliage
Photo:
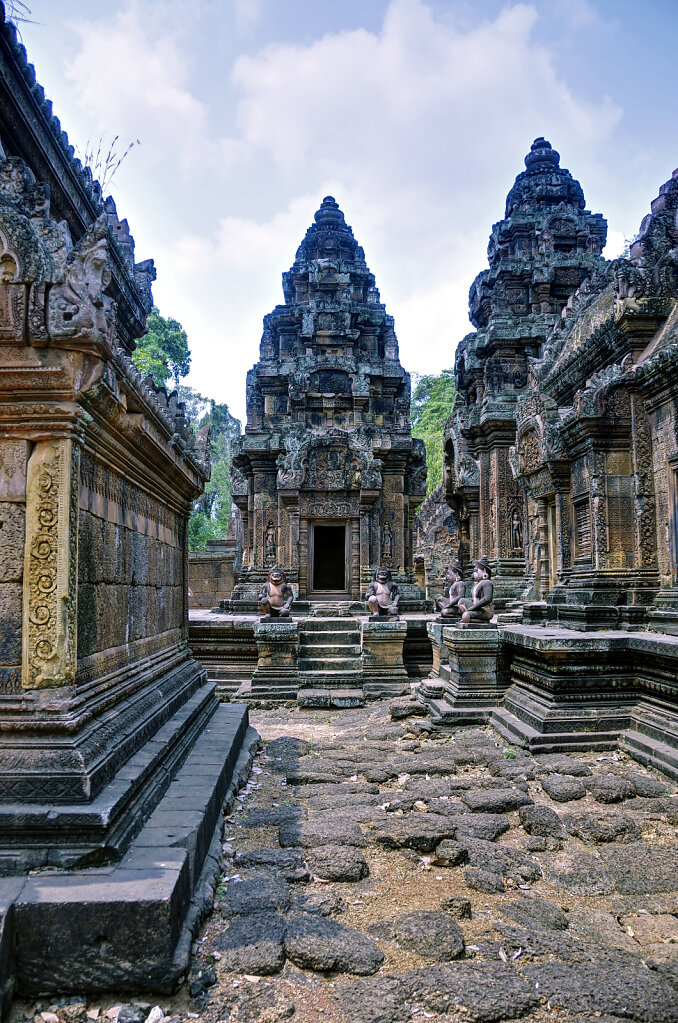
(431, 406)
(211, 512)
(163, 351)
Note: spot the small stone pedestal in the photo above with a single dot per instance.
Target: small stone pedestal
(384, 672)
(433, 687)
(467, 688)
(277, 673)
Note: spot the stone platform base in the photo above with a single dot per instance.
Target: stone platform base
(308, 698)
(35, 835)
(651, 751)
(445, 716)
(273, 662)
(566, 740)
(129, 926)
(319, 608)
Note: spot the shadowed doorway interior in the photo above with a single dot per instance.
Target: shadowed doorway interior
(329, 558)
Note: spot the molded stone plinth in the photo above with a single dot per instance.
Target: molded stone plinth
(571, 691)
(664, 616)
(384, 672)
(535, 612)
(588, 617)
(467, 687)
(471, 673)
(277, 673)
(128, 926)
(441, 654)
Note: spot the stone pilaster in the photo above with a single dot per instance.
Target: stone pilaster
(50, 565)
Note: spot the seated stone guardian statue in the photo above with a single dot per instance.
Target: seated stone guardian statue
(382, 596)
(449, 605)
(275, 596)
(481, 609)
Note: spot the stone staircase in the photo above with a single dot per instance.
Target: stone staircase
(330, 664)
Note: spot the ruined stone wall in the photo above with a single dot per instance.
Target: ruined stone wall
(211, 574)
(437, 542)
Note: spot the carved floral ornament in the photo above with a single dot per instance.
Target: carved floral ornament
(50, 569)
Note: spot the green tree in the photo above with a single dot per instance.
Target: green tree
(163, 351)
(431, 406)
(211, 512)
(196, 404)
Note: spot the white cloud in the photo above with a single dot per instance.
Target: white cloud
(616, 243)
(247, 14)
(418, 130)
(131, 72)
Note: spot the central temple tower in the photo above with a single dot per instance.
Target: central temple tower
(327, 475)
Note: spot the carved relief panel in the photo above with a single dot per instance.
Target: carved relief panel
(50, 565)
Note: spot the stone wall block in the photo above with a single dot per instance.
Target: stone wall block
(211, 577)
(12, 533)
(10, 623)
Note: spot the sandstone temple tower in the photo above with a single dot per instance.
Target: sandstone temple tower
(539, 255)
(327, 475)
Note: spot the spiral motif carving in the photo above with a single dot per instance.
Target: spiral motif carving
(40, 615)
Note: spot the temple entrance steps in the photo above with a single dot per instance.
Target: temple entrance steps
(330, 663)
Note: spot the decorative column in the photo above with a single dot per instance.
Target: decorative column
(384, 672)
(49, 644)
(543, 560)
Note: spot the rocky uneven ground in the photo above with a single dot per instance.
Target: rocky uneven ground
(376, 874)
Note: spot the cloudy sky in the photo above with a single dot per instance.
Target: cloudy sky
(414, 114)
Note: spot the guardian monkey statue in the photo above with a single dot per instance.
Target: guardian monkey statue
(382, 596)
(276, 596)
(481, 608)
(449, 605)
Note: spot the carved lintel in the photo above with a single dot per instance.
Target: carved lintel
(51, 565)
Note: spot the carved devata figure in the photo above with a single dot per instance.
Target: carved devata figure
(387, 541)
(270, 542)
(275, 596)
(449, 605)
(516, 531)
(382, 595)
(481, 608)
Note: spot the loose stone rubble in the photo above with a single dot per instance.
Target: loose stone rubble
(362, 902)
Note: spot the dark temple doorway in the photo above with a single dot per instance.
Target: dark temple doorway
(329, 568)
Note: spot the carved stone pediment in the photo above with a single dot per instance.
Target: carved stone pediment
(79, 306)
(604, 395)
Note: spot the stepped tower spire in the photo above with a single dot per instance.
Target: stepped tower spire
(327, 475)
(547, 244)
